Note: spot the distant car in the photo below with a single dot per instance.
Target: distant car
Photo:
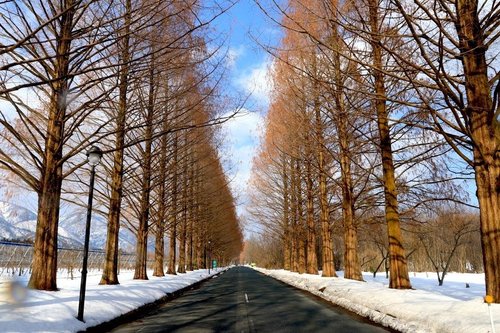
(253, 264)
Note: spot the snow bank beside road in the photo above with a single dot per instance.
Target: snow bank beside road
(45, 311)
(462, 310)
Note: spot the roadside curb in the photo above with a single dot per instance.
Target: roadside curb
(140, 311)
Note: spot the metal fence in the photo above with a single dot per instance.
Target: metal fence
(15, 259)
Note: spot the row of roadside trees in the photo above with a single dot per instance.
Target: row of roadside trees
(139, 78)
(381, 111)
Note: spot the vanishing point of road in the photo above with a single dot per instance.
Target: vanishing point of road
(244, 300)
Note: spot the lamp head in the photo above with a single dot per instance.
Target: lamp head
(94, 155)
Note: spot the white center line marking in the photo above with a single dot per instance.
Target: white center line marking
(246, 298)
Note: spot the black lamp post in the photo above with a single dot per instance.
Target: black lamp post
(94, 157)
(209, 256)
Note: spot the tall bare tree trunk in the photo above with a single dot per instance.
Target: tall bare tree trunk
(190, 226)
(110, 271)
(162, 198)
(399, 278)
(44, 264)
(312, 259)
(199, 223)
(189, 245)
(301, 227)
(172, 254)
(182, 244)
(327, 258)
(484, 127)
(205, 241)
(286, 219)
(199, 247)
(488, 194)
(352, 268)
(173, 220)
(159, 245)
(141, 257)
(184, 222)
(295, 218)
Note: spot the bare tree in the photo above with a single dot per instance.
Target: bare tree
(442, 238)
(459, 86)
(53, 53)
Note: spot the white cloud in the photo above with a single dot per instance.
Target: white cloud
(257, 81)
(233, 54)
(242, 135)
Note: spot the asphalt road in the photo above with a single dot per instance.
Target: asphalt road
(243, 300)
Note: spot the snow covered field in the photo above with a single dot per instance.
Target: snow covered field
(429, 308)
(43, 311)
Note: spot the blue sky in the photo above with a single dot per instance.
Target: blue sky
(244, 24)
(241, 22)
(248, 64)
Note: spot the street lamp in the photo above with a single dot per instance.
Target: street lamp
(94, 155)
(209, 256)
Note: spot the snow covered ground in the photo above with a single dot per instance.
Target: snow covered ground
(428, 308)
(23, 310)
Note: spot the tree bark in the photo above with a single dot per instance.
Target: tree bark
(327, 258)
(44, 264)
(141, 258)
(199, 246)
(484, 128)
(286, 219)
(199, 223)
(162, 199)
(302, 236)
(399, 278)
(294, 220)
(189, 245)
(312, 259)
(110, 271)
(184, 222)
(159, 246)
(190, 212)
(173, 221)
(172, 246)
(352, 268)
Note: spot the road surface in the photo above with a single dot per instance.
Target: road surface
(244, 300)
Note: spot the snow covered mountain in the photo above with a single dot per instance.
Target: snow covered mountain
(18, 224)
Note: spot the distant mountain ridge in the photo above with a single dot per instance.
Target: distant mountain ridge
(19, 224)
